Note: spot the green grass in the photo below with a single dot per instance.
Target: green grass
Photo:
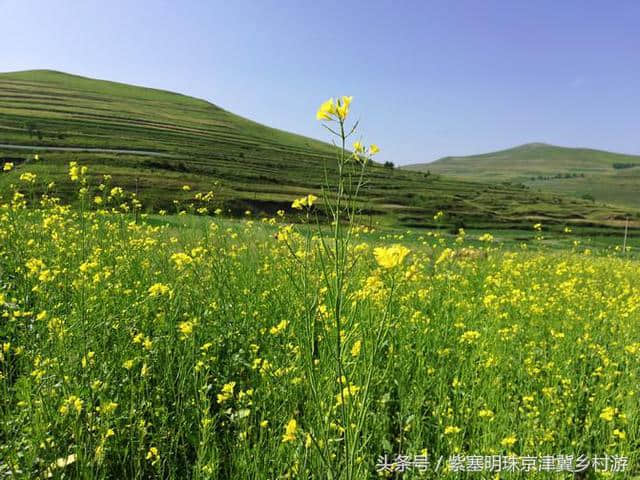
(553, 239)
(136, 345)
(485, 351)
(139, 345)
(255, 167)
(578, 172)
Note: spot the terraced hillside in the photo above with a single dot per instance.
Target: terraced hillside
(608, 177)
(154, 142)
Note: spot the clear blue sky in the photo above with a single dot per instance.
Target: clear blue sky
(429, 78)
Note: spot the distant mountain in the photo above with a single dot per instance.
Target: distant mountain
(604, 176)
(153, 142)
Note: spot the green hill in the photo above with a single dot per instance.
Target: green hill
(604, 176)
(153, 142)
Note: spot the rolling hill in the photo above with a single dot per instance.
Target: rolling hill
(608, 177)
(154, 141)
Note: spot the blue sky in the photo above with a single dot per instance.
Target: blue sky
(429, 79)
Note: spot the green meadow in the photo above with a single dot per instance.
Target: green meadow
(221, 300)
(250, 166)
(182, 346)
(599, 176)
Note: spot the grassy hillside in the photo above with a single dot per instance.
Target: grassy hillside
(607, 177)
(169, 140)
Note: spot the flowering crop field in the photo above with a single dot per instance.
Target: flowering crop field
(267, 349)
(142, 351)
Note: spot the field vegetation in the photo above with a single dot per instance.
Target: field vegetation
(184, 346)
(151, 142)
(606, 177)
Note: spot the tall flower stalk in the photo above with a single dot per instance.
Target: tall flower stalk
(349, 400)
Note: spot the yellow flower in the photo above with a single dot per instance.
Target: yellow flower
(330, 109)
(77, 404)
(311, 198)
(343, 107)
(358, 147)
(116, 192)
(34, 265)
(469, 336)
(290, 431)
(186, 328)
(108, 408)
(452, 430)
(509, 441)
(7, 167)
(619, 434)
(227, 392)
(390, 257)
(186, 188)
(279, 328)
(325, 111)
(608, 413)
(74, 171)
(28, 177)
(373, 149)
(152, 454)
(158, 289)
(486, 237)
(71, 402)
(347, 393)
(181, 260)
(88, 359)
(355, 350)
(307, 201)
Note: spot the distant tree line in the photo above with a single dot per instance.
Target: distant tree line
(588, 196)
(558, 175)
(620, 166)
(33, 131)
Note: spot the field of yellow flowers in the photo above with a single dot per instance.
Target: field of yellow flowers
(267, 349)
(137, 351)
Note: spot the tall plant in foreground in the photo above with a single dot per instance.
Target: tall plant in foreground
(340, 345)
